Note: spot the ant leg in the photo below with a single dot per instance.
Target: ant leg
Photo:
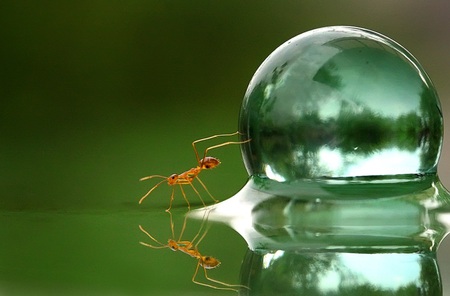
(209, 138)
(171, 199)
(185, 197)
(186, 244)
(196, 191)
(228, 287)
(150, 191)
(204, 268)
(182, 228)
(208, 285)
(172, 225)
(206, 189)
(223, 283)
(152, 176)
(202, 226)
(201, 238)
(152, 238)
(223, 144)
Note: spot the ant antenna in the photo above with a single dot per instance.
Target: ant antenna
(216, 146)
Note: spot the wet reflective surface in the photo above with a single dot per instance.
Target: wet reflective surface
(305, 239)
(412, 217)
(97, 252)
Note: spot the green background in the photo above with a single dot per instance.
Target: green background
(96, 94)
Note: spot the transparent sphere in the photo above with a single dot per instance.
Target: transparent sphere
(340, 102)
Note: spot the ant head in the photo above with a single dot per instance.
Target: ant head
(172, 245)
(209, 162)
(172, 179)
(209, 262)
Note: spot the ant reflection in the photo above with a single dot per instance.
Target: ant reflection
(187, 177)
(191, 248)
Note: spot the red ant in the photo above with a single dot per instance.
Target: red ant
(191, 249)
(187, 177)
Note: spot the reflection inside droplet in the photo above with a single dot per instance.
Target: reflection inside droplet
(330, 159)
(272, 174)
(387, 161)
(270, 257)
(391, 161)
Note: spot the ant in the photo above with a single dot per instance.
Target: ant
(191, 249)
(187, 177)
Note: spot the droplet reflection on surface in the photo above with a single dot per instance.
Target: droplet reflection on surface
(309, 273)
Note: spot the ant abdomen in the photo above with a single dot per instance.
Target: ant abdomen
(209, 162)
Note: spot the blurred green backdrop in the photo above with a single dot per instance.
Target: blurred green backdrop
(96, 94)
